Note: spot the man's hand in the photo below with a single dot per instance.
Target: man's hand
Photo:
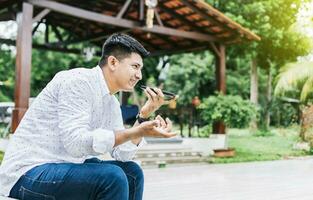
(155, 101)
(158, 128)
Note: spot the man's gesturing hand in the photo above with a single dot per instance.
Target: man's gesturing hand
(159, 128)
(155, 101)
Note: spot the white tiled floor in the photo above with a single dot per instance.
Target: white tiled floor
(271, 180)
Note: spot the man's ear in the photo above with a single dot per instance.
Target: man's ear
(112, 62)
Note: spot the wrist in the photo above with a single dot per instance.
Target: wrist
(137, 132)
(141, 119)
(143, 115)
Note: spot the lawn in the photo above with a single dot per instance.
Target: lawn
(273, 146)
(1, 156)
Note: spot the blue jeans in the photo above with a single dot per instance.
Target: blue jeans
(93, 179)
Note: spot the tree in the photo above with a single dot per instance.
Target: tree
(191, 75)
(295, 80)
(7, 70)
(273, 20)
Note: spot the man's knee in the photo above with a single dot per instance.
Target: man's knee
(113, 183)
(136, 170)
(117, 176)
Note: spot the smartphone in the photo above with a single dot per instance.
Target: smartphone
(167, 95)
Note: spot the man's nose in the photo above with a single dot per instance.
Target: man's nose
(139, 75)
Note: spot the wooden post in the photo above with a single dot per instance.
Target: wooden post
(220, 75)
(23, 63)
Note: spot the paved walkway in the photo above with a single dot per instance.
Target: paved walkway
(271, 180)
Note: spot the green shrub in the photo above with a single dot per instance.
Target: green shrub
(205, 131)
(233, 110)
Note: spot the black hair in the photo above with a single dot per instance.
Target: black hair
(121, 46)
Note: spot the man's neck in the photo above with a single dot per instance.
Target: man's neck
(108, 78)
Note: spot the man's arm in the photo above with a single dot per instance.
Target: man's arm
(158, 128)
(154, 102)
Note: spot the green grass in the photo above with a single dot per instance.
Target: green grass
(1, 156)
(249, 147)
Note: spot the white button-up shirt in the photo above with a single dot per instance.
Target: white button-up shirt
(72, 119)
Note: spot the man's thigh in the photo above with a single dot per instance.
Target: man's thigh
(133, 172)
(63, 181)
(130, 168)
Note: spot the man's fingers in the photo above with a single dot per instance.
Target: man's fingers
(159, 92)
(163, 123)
(169, 134)
(169, 125)
(151, 124)
(147, 94)
(152, 94)
(163, 133)
(169, 101)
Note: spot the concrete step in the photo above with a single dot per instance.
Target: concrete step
(165, 147)
(158, 154)
(161, 154)
(174, 160)
(175, 140)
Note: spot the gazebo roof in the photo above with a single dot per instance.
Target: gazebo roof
(179, 25)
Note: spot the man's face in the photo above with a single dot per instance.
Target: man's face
(128, 72)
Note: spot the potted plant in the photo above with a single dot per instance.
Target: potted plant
(233, 111)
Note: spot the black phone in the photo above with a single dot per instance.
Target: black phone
(168, 95)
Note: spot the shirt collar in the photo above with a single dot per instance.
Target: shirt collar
(104, 86)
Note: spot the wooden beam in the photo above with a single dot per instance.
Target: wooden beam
(57, 32)
(124, 8)
(41, 15)
(157, 16)
(46, 47)
(6, 16)
(178, 51)
(89, 15)
(215, 50)
(23, 64)
(220, 75)
(141, 10)
(221, 69)
(47, 33)
(36, 27)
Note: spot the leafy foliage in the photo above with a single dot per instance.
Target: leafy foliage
(233, 110)
(295, 80)
(191, 75)
(1, 156)
(284, 113)
(45, 64)
(7, 70)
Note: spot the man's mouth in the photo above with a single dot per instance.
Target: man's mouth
(133, 82)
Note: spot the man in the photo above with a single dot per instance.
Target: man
(77, 117)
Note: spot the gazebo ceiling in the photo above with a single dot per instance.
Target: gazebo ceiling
(179, 25)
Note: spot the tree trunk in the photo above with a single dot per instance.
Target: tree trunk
(267, 118)
(254, 89)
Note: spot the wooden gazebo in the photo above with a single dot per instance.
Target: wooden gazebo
(178, 26)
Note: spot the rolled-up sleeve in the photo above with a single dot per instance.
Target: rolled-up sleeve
(74, 112)
(127, 150)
